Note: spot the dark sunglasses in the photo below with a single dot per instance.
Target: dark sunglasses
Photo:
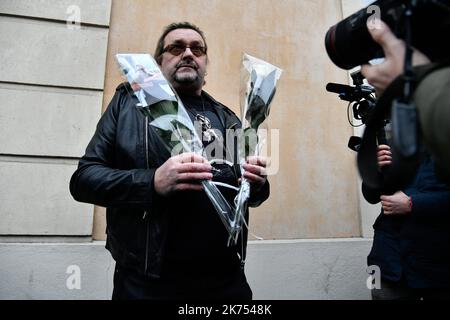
(177, 49)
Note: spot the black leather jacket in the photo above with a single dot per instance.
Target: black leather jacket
(117, 172)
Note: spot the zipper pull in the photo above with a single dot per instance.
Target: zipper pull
(242, 261)
(216, 170)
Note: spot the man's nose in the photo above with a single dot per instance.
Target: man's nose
(187, 53)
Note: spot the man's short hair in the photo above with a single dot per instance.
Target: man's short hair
(173, 26)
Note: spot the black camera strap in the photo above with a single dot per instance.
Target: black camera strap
(403, 111)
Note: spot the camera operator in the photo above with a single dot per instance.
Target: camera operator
(412, 234)
(432, 96)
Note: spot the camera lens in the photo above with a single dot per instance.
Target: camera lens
(333, 53)
(349, 43)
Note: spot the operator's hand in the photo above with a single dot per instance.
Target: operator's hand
(182, 172)
(255, 172)
(381, 75)
(384, 155)
(398, 203)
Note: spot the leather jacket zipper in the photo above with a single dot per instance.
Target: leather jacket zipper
(145, 212)
(241, 255)
(234, 151)
(146, 151)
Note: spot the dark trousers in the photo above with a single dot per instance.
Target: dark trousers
(130, 285)
(391, 290)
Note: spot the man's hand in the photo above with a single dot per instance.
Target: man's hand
(398, 203)
(255, 172)
(384, 155)
(182, 172)
(381, 75)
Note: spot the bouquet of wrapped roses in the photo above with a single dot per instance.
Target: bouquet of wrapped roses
(258, 87)
(159, 102)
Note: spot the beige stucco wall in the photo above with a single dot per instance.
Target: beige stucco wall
(315, 193)
(51, 89)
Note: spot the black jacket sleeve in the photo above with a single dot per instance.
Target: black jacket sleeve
(371, 195)
(257, 198)
(430, 197)
(433, 205)
(97, 181)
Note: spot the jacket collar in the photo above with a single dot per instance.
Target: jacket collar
(227, 117)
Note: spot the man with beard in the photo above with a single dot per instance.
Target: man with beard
(163, 232)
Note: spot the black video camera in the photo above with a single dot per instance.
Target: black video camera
(362, 100)
(349, 43)
(360, 96)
